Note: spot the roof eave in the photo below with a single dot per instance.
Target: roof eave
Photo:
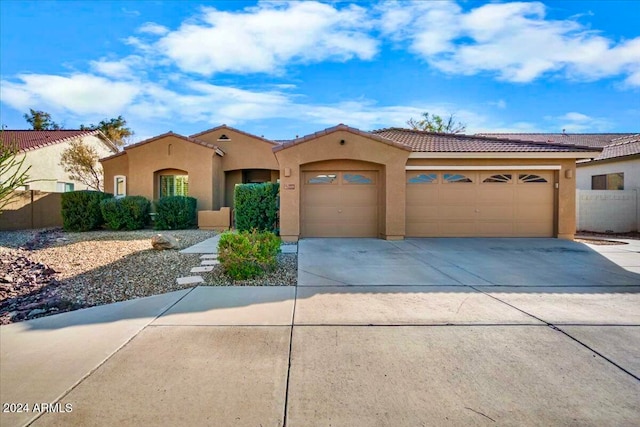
(591, 162)
(505, 155)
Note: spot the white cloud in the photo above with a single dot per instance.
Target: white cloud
(514, 40)
(81, 94)
(267, 37)
(153, 28)
(574, 122)
(575, 117)
(125, 68)
(500, 103)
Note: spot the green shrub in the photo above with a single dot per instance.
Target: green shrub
(126, 213)
(256, 206)
(176, 213)
(248, 254)
(81, 210)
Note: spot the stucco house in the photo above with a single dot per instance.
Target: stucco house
(616, 168)
(344, 182)
(42, 150)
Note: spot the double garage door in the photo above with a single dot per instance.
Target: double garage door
(480, 204)
(340, 204)
(438, 204)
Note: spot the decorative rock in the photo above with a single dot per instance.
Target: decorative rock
(163, 241)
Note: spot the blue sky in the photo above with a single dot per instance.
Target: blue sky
(282, 69)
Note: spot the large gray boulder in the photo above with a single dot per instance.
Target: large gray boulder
(164, 241)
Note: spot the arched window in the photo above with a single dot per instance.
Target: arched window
(456, 177)
(423, 178)
(527, 178)
(499, 178)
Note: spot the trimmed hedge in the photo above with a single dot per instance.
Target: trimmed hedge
(256, 206)
(81, 210)
(126, 213)
(248, 254)
(176, 213)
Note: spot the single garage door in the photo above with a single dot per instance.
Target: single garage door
(480, 204)
(340, 204)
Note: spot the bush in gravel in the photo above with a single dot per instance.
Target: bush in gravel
(126, 213)
(176, 213)
(248, 254)
(256, 206)
(81, 210)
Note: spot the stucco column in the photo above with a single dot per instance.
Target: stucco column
(395, 192)
(290, 203)
(567, 201)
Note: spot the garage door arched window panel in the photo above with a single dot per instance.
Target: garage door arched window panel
(356, 178)
(526, 178)
(499, 178)
(423, 178)
(323, 178)
(456, 178)
(174, 185)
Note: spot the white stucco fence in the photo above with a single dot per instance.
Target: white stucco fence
(607, 210)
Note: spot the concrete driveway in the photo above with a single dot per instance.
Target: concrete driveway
(418, 332)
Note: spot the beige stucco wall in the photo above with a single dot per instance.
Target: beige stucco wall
(389, 160)
(142, 163)
(242, 151)
(565, 193)
(630, 168)
(46, 171)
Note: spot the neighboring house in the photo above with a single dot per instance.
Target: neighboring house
(620, 171)
(390, 183)
(616, 168)
(43, 149)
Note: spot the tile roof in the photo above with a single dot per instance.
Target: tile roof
(593, 140)
(341, 127)
(164, 135)
(34, 139)
(422, 141)
(627, 146)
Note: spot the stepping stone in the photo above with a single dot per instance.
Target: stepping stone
(210, 262)
(204, 269)
(289, 249)
(189, 280)
(209, 256)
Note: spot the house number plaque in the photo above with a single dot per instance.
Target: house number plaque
(289, 186)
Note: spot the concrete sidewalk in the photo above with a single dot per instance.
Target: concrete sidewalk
(474, 338)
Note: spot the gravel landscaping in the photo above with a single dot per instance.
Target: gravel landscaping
(44, 272)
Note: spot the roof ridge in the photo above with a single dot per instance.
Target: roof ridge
(177, 135)
(632, 139)
(235, 130)
(346, 128)
(632, 135)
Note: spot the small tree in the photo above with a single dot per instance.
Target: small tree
(13, 173)
(81, 163)
(40, 120)
(435, 123)
(114, 129)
